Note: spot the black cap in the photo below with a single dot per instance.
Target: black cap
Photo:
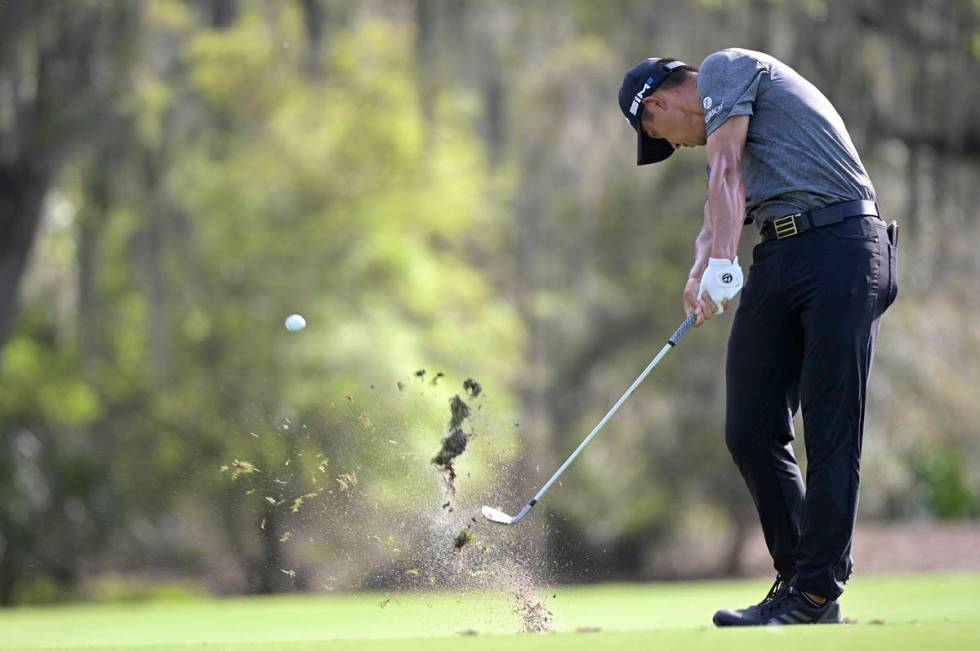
(641, 80)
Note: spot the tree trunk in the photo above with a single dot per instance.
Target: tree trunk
(268, 576)
(315, 20)
(152, 247)
(9, 574)
(223, 13)
(89, 223)
(426, 59)
(23, 185)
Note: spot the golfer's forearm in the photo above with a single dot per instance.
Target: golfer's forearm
(726, 190)
(726, 209)
(702, 247)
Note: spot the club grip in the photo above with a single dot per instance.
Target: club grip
(681, 331)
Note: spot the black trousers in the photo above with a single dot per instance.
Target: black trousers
(804, 335)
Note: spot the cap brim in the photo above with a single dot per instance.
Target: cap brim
(651, 150)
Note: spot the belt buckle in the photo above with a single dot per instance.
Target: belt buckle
(786, 226)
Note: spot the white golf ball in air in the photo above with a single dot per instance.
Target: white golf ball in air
(295, 323)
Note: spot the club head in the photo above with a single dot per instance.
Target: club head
(493, 515)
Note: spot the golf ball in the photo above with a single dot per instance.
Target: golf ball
(295, 323)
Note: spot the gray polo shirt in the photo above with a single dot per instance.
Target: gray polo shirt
(798, 154)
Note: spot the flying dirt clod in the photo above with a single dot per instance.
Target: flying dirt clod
(472, 387)
(455, 442)
(463, 537)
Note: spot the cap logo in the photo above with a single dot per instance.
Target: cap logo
(639, 96)
(706, 103)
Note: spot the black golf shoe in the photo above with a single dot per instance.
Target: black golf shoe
(783, 605)
(733, 617)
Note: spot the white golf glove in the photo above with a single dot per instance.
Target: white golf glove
(721, 280)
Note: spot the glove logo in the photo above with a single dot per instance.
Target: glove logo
(727, 278)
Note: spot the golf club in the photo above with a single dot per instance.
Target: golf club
(500, 517)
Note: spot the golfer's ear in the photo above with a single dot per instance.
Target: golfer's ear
(654, 100)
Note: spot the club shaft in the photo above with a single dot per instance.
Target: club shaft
(680, 332)
(602, 423)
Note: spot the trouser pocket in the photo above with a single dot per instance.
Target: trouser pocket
(892, 264)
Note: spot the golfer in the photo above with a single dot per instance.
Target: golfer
(804, 332)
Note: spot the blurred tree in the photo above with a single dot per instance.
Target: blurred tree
(60, 66)
(251, 189)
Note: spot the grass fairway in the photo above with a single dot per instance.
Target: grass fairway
(916, 612)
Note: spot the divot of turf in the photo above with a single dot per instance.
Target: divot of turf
(455, 441)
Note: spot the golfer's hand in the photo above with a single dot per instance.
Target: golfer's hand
(707, 307)
(691, 303)
(720, 283)
(704, 308)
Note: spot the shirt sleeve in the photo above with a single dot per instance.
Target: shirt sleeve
(727, 85)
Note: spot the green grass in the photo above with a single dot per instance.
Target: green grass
(914, 612)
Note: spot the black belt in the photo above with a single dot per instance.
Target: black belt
(790, 225)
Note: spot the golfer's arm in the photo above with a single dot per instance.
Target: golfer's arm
(702, 247)
(726, 190)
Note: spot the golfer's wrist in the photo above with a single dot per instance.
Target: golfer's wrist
(723, 247)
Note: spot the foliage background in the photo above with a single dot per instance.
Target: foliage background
(444, 185)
